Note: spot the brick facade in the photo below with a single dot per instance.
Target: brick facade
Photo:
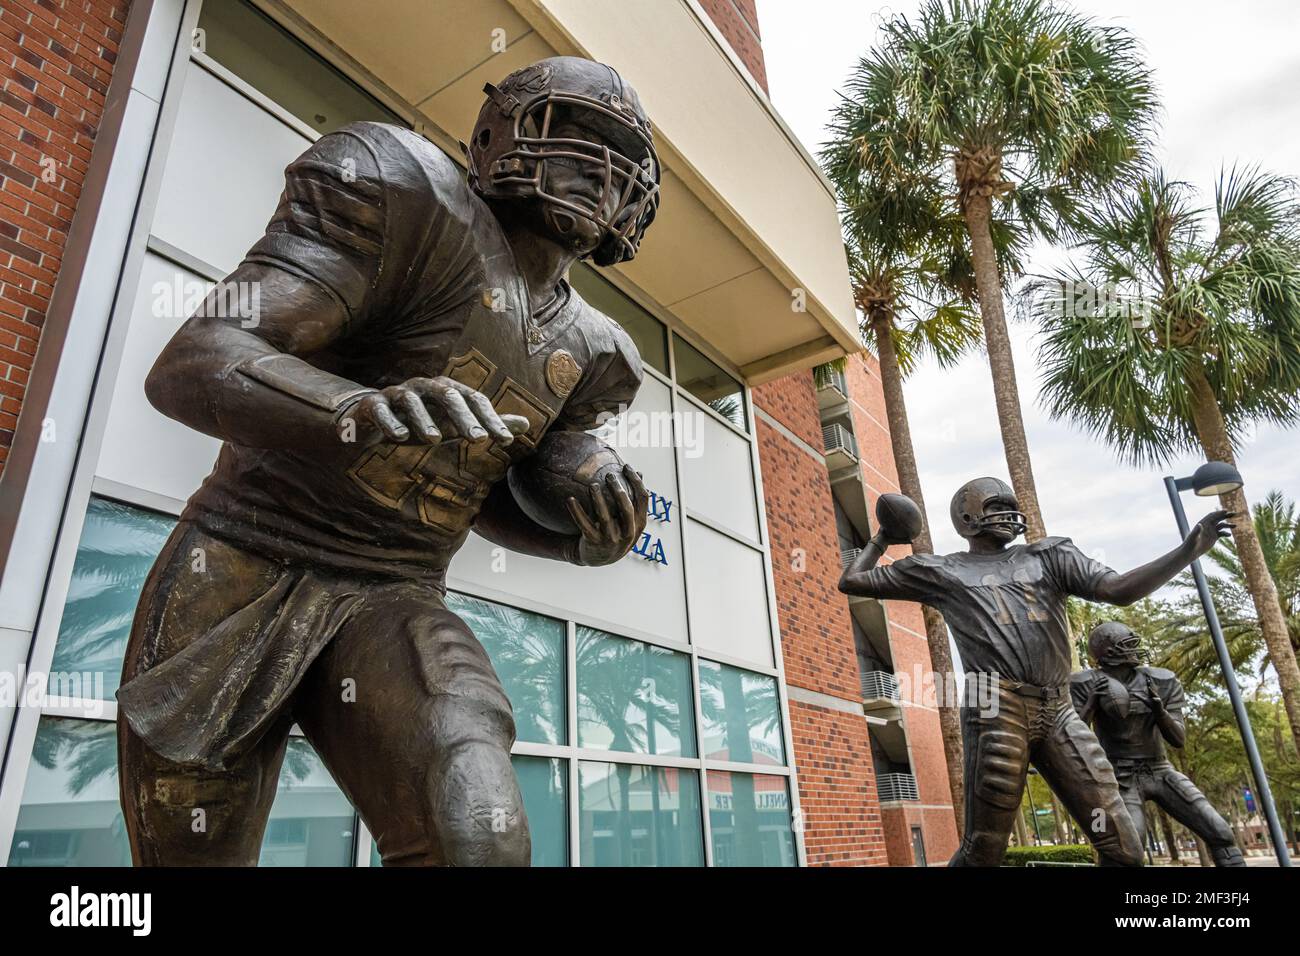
(737, 21)
(56, 60)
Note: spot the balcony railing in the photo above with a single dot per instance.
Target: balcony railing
(879, 685)
(839, 441)
(896, 786)
(848, 556)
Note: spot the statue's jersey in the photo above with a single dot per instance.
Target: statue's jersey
(1128, 730)
(385, 223)
(1006, 610)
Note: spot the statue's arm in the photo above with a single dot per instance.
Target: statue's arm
(1130, 586)
(1169, 713)
(904, 580)
(240, 378)
(503, 522)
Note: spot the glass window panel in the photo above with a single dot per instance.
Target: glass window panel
(118, 546)
(527, 652)
(639, 816)
(741, 714)
(70, 815)
(728, 607)
(633, 696)
(749, 820)
(544, 784)
(267, 58)
(642, 327)
(706, 380)
(311, 822)
(718, 473)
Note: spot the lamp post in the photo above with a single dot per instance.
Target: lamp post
(1217, 478)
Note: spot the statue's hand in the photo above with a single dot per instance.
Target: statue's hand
(616, 520)
(1155, 700)
(1205, 534)
(425, 411)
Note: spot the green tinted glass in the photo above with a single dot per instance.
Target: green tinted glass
(268, 59)
(311, 822)
(749, 820)
(544, 784)
(70, 814)
(643, 328)
(639, 816)
(117, 548)
(633, 696)
(706, 380)
(741, 714)
(527, 652)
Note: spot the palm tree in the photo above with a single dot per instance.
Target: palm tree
(1024, 110)
(914, 286)
(1194, 337)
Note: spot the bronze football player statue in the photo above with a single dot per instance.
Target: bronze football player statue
(1135, 709)
(417, 336)
(1005, 606)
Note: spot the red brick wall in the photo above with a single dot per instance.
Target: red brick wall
(737, 21)
(56, 59)
(832, 750)
(837, 787)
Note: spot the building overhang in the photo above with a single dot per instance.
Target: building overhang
(745, 252)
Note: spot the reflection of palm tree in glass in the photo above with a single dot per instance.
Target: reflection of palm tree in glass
(118, 547)
(527, 652)
(88, 749)
(728, 407)
(618, 689)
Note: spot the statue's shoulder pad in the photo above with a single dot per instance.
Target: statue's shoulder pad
(1083, 677)
(1159, 673)
(1047, 543)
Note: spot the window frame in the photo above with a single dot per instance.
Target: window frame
(85, 482)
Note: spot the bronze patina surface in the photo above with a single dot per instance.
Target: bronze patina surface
(416, 337)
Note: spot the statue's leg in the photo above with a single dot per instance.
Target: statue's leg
(1185, 803)
(1072, 762)
(177, 815)
(410, 718)
(997, 761)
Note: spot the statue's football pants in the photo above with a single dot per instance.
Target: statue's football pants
(1159, 782)
(402, 705)
(1046, 731)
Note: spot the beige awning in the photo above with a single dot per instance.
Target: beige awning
(747, 229)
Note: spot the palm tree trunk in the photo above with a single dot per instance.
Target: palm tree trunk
(1213, 433)
(1167, 830)
(978, 212)
(936, 632)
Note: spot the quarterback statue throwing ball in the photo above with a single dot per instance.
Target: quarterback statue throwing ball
(1005, 606)
(417, 339)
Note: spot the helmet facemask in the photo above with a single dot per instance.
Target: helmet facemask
(632, 184)
(1112, 644)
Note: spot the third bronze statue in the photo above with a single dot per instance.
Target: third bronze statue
(1005, 606)
(417, 339)
(1135, 709)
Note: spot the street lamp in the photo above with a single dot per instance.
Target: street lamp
(1217, 478)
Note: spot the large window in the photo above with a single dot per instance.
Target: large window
(631, 749)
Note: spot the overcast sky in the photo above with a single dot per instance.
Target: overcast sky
(1228, 75)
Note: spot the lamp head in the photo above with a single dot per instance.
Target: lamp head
(1215, 478)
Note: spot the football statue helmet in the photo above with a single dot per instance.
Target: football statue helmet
(968, 504)
(1115, 644)
(514, 141)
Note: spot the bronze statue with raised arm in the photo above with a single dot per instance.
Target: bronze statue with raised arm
(1135, 710)
(416, 338)
(1005, 606)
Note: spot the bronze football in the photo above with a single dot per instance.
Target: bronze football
(898, 517)
(564, 466)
